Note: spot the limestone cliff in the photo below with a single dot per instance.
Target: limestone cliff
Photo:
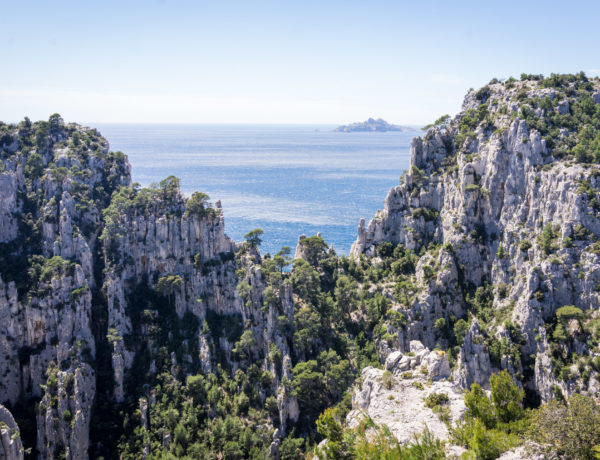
(166, 246)
(101, 278)
(56, 179)
(10, 440)
(517, 221)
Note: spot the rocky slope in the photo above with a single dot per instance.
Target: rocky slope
(501, 202)
(397, 395)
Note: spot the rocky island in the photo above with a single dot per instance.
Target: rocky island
(464, 324)
(372, 124)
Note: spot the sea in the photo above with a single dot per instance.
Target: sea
(287, 180)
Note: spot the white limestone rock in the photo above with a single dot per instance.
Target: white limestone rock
(505, 186)
(11, 447)
(64, 425)
(437, 365)
(401, 407)
(392, 360)
(9, 208)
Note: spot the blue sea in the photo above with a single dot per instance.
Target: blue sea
(285, 179)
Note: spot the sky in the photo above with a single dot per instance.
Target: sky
(280, 61)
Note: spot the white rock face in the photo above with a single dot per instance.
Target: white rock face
(392, 360)
(143, 248)
(437, 365)
(65, 425)
(486, 199)
(474, 361)
(11, 447)
(48, 324)
(9, 207)
(526, 452)
(402, 406)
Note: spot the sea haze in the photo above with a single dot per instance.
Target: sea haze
(286, 179)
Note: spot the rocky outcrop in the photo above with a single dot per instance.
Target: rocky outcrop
(516, 217)
(90, 260)
(147, 248)
(211, 284)
(65, 413)
(10, 440)
(398, 400)
(53, 195)
(474, 361)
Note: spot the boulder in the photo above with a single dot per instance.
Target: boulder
(438, 366)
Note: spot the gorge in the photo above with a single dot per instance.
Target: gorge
(134, 327)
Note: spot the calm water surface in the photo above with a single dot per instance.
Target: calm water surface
(287, 180)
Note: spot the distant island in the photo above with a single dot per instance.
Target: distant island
(371, 124)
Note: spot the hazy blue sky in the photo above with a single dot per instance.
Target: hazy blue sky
(278, 61)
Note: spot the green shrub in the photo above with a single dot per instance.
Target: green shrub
(314, 249)
(373, 442)
(506, 396)
(436, 399)
(559, 334)
(483, 443)
(67, 416)
(52, 266)
(580, 232)
(460, 330)
(545, 239)
(396, 319)
(198, 205)
(253, 238)
(568, 312)
(500, 253)
(555, 260)
(570, 429)
(524, 245)
(388, 380)
(34, 168)
(479, 406)
(427, 213)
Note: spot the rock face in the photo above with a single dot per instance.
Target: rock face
(211, 286)
(512, 216)
(140, 248)
(398, 400)
(53, 194)
(75, 273)
(474, 361)
(94, 270)
(10, 441)
(65, 413)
